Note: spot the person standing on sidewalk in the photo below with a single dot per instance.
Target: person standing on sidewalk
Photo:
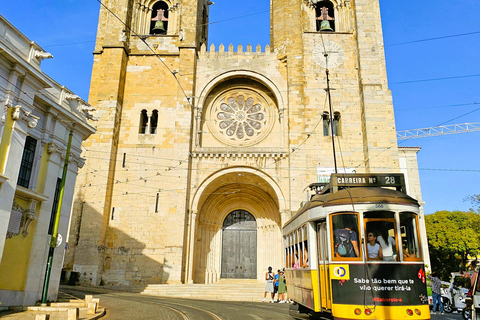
(436, 292)
(269, 277)
(275, 288)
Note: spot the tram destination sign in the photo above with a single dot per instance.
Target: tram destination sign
(393, 180)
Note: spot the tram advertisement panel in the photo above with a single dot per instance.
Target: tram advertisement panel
(378, 284)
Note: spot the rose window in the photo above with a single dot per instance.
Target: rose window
(239, 118)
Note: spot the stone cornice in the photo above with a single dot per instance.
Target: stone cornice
(20, 114)
(239, 155)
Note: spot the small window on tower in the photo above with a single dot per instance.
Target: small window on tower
(159, 19)
(336, 123)
(154, 122)
(326, 123)
(325, 16)
(143, 122)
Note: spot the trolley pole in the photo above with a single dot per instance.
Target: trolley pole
(53, 240)
(331, 119)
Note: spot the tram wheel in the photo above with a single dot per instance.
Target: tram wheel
(303, 309)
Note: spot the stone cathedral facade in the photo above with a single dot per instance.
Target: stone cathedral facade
(203, 151)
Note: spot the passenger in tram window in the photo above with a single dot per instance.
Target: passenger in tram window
(346, 242)
(389, 248)
(296, 265)
(305, 256)
(406, 253)
(373, 247)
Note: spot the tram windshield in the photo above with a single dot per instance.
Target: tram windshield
(345, 236)
(382, 228)
(409, 231)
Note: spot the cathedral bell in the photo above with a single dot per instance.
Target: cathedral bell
(325, 26)
(159, 27)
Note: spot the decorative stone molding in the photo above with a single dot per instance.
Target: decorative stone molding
(79, 161)
(70, 96)
(20, 114)
(29, 217)
(52, 148)
(123, 36)
(40, 55)
(245, 155)
(310, 3)
(82, 105)
(20, 219)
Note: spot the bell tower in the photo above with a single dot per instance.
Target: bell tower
(142, 86)
(345, 38)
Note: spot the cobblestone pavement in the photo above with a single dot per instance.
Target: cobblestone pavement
(123, 305)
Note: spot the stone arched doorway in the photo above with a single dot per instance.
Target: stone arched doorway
(237, 189)
(239, 246)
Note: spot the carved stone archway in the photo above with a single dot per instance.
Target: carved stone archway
(235, 190)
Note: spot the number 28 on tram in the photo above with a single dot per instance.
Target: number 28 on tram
(353, 251)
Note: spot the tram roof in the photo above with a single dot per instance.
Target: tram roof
(357, 195)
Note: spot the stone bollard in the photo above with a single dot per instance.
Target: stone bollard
(88, 298)
(72, 314)
(42, 317)
(92, 308)
(96, 300)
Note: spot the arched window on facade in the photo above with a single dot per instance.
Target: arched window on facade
(325, 16)
(326, 123)
(336, 123)
(159, 18)
(154, 122)
(143, 122)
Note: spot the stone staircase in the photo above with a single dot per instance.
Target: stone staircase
(224, 290)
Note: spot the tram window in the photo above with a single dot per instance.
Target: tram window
(345, 236)
(409, 232)
(382, 224)
(305, 255)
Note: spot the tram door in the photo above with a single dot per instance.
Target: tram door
(323, 267)
(239, 246)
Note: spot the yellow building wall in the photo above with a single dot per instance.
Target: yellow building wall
(16, 253)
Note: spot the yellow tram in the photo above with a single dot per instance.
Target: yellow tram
(333, 269)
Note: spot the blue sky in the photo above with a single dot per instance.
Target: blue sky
(416, 69)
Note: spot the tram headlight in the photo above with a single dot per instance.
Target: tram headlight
(410, 312)
(418, 312)
(358, 311)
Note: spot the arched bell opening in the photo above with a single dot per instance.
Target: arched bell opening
(325, 16)
(256, 205)
(159, 18)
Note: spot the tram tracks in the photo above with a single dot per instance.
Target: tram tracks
(143, 307)
(178, 308)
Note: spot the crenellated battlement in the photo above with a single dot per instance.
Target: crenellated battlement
(240, 50)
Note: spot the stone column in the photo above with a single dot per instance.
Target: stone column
(190, 252)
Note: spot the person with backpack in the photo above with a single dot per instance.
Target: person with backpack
(346, 242)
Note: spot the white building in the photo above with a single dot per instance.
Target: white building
(36, 116)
